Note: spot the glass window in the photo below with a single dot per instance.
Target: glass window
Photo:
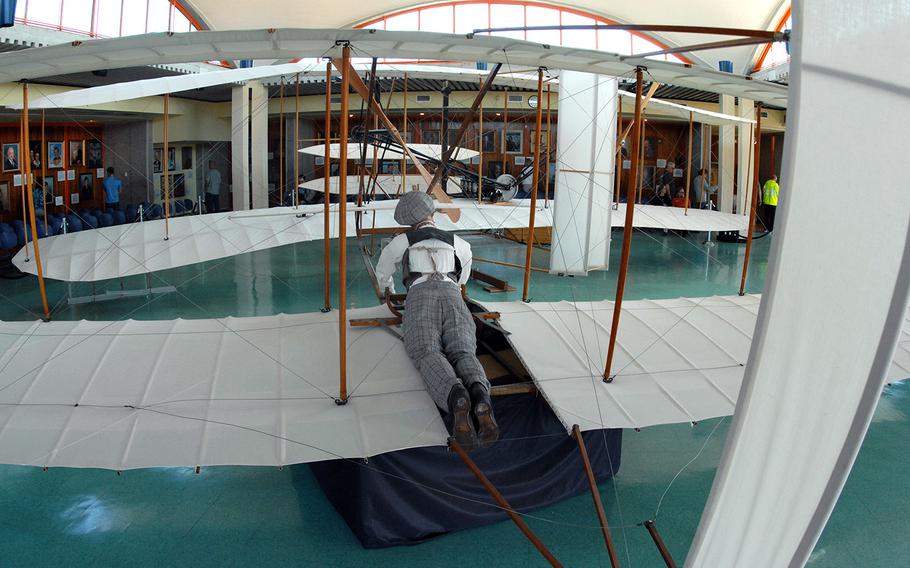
(44, 12)
(403, 22)
(439, 19)
(538, 16)
(181, 22)
(134, 15)
(20, 10)
(614, 41)
(586, 39)
(159, 18)
(77, 16)
(470, 17)
(507, 15)
(109, 18)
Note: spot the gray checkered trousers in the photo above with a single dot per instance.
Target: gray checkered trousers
(439, 336)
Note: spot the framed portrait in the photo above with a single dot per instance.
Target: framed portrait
(171, 159)
(519, 160)
(34, 153)
(186, 158)
(156, 162)
(74, 198)
(4, 196)
(11, 157)
(489, 141)
(86, 187)
(49, 189)
(390, 167)
(544, 137)
(77, 158)
(650, 150)
(95, 157)
(429, 137)
(319, 161)
(334, 169)
(494, 169)
(514, 142)
(55, 154)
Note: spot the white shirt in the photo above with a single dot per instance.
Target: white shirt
(213, 182)
(421, 257)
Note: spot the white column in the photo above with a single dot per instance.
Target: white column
(249, 128)
(744, 157)
(583, 198)
(726, 158)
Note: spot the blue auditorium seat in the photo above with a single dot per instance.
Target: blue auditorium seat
(119, 216)
(89, 221)
(132, 213)
(73, 223)
(8, 239)
(105, 220)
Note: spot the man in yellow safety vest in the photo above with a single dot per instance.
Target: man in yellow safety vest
(769, 198)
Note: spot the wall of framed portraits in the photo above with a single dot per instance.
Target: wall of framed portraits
(67, 162)
(182, 165)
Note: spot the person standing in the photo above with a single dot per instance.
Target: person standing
(112, 186)
(770, 192)
(212, 188)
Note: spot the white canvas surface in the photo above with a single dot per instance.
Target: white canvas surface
(585, 154)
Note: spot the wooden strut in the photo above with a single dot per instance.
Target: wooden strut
(480, 151)
(709, 30)
(503, 504)
(509, 264)
(404, 128)
(619, 159)
(327, 302)
(342, 222)
(28, 186)
(752, 207)
(495, 285)
(702, 47)
(705, 160)
(24, 190)
(466, 119)
(595, 494)
(535, 180)
(362, 90)
(297, 140)
(641, 163)
(43, 154)
(627, 229)
(689, 165)
(167, 167)
(546, 190)
(281, 142)
(659, 542)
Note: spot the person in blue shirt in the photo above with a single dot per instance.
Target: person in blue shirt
(112, 187)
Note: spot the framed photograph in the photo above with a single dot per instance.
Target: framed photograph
(489, 141)
(677, 173)
(661, 163)
(86, 187)
(17, 180)
(74, 198)
(334, 169)
(71, 175)
(519, 160)
(390, 167)
(514, 142)
(55, 154)
(34, 153)
(319, 161)
(4, 196)
(544, 137)
(627, 164)
(186, 158)
(49, 189)
(494, 169)
(94, 159)
(156, 164)
(650, 150)
(11, 157)
(429, 137)
(171, 159)
(77, 158)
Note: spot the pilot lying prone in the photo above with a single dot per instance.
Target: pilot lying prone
(439, 331)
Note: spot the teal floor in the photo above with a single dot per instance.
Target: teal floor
(241, 516)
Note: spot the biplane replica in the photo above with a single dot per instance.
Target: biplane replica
(336, 390)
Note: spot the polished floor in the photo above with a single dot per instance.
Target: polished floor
(242, 516)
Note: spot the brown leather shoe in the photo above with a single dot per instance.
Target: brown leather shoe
(459, 418)
(488, 429)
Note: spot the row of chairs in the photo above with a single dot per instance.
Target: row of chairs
(13, 234)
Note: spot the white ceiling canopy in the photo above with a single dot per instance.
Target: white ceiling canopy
(754, 14)
(292, 43)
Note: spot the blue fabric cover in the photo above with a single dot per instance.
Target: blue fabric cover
(389, 501)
